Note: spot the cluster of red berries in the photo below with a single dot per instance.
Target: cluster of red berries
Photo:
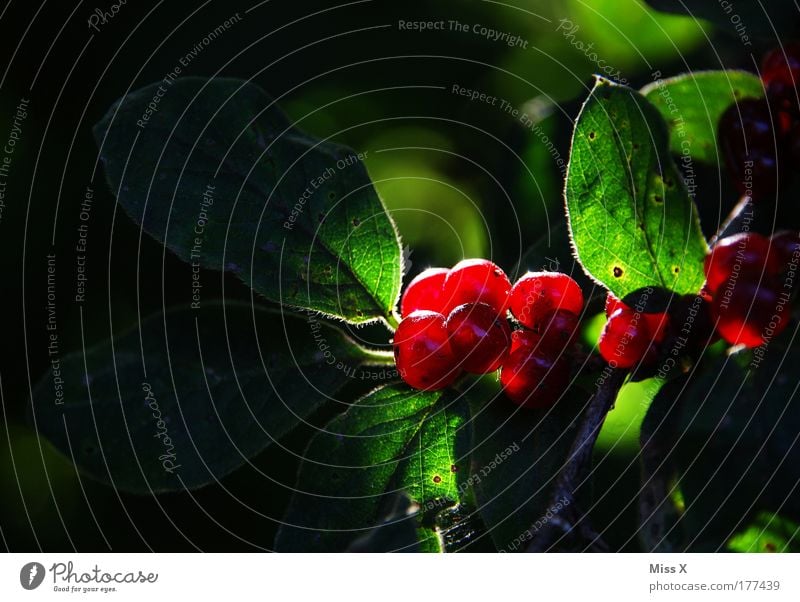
(756, 135)
(456, 321)
(749, 280)
(631, 337)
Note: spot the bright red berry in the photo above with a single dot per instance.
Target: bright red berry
(746, 133)
(532, 378)
(479, 337)
(625, 339)
(747, 254)
(476, 281)
(422, 351)
(537, 294)
(426, 291)
(613, 304)
(657, 323)
(780, 72)
(748, 313)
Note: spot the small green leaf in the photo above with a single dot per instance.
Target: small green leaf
(767, 533)
(632, 221)
(220, 176)
(394, 439)
(207, 390)
(516, 456)
(692, 104)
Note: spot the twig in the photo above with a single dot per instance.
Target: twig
(571, 521)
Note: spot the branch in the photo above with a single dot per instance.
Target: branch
(570, 520)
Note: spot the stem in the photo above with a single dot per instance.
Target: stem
(575, 470)
(392, 321)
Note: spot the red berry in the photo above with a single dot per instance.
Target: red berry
(479, 337)
(785, 248)
(746, 253)
(625, 339)
(537, 294)
(532, 379)
(558, 329)
(613, 304)
(746, 133)
(525, 338)
(748, 313)
(476, 281)
(422, 351)
(426, 291)
(780, 72)
(657, 323)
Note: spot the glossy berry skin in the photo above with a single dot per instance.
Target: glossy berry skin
(479, 338)
(785, 248)
(525, 338)
(422, 351)
(625, 339)
(746, 253)
(558, 330)
(747, 313)
(426, 291)
(780, 72)
(745, 133)
(537, 294)
(476, 281)
(531, 378)
(657, 323)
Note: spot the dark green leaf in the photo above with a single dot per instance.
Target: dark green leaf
(396, 532)
(744, 19)
(632, 221)
(692, 104)
(394, 439)
(224, 383)
(516, 455)
(295, 218)
(739, 452)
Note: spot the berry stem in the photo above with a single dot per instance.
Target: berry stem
(574, 472)
(392, 320)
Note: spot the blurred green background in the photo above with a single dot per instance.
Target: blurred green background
(461, 178)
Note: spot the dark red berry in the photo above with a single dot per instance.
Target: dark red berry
(747, 254)
(748, 313)
(785, 248)
(532, 378)
(558, 330)
(525, 338)
(749, 145)
(780, 72)
(625, 339)
(479, 337)
(426, 291)
(537, 294)
(476, 281)
(422, 351)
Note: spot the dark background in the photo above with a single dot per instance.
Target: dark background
(437, 159)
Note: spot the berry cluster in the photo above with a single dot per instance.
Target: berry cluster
(631, 337)
(455, 321)
(756, 135)
(746, 282)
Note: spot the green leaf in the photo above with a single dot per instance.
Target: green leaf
(222, 178)
(393, 440)
(739, 449)
(768, 533)
(207, 390)
(631, 219)
(743, 19)
(516, 456)
(692, 104)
